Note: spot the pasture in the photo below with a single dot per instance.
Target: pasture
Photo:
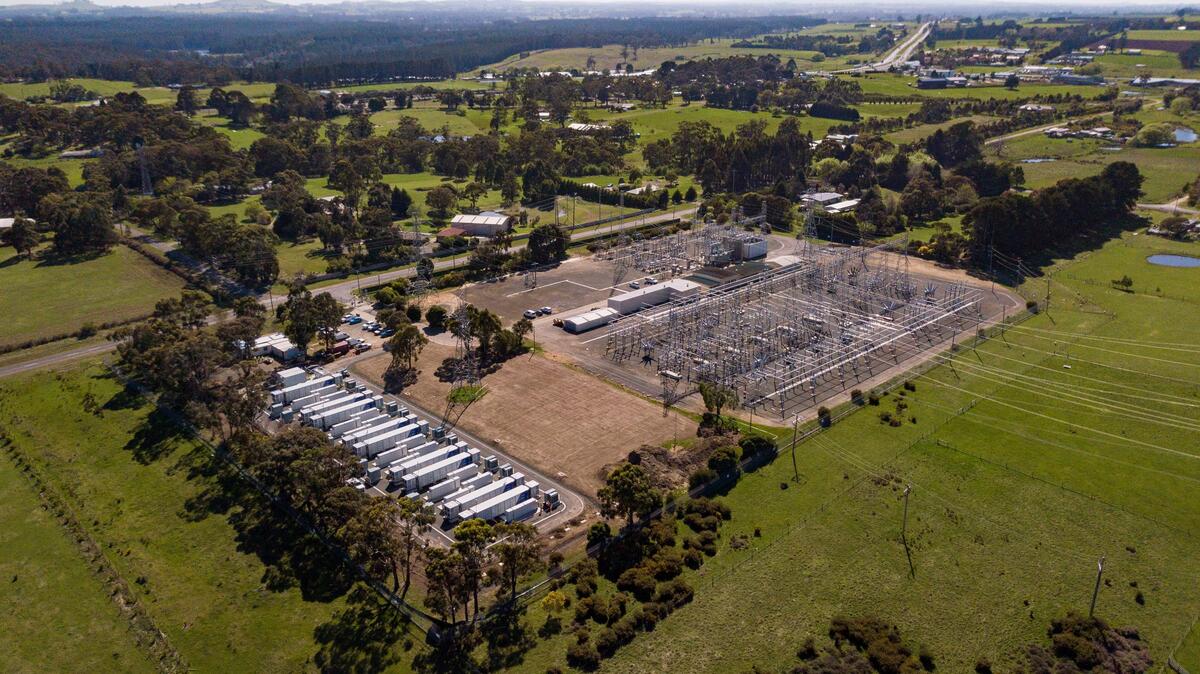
(48, 296)
(58, 615)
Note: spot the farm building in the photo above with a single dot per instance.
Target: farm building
(487, 223)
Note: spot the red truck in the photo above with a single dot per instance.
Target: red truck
(339, 349)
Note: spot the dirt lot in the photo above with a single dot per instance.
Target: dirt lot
(549, 415)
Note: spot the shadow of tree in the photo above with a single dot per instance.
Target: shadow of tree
(155, 437)
(508, 637)
(364, 637)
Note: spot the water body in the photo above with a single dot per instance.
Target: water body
(1175, 261)
(1185, 135)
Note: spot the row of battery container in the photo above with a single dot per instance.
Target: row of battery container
(398, 451)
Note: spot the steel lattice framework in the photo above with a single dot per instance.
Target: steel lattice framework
(707, 245)
(784, 336)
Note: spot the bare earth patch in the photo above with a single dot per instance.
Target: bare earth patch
(564, 422)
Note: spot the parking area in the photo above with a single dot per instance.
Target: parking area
(573, 284)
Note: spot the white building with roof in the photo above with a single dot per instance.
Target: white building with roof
(487, 223)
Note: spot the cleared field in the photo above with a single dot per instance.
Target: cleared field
(609, 56)
(146, 495)
(58, 616)
(49, 297)
(1158, 63)
(1166, 170)
(1166, 35)
(920, 132)
(567, 423)
(1023, 473)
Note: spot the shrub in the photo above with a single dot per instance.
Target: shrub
(89, 329)
(856, 396)
(649, 616)
(606, 643)
(983, 666)
(873, 399)
(668, 563)
(725, 459)
(387, 296)
(638, 581)
(413, 312)
(753, 445)
(701, 476)
(583, 609)
(583, 656)
(674, 593)
(662, 531)
(909, 386)
(436, 317)
(693, 559)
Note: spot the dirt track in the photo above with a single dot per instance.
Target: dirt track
(549, 415)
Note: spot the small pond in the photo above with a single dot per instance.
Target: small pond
(1174, 260)
(1185, 135)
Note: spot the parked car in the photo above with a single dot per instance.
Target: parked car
(649, 280)
(530, 314)
(545, 311)
(635, 285)
(362, 347)
(354, 320)
(386, 332)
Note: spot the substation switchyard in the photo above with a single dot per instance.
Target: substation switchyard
(787, 338)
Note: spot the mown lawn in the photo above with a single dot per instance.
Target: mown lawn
(58, 616)
(146, 495)
(47, 297)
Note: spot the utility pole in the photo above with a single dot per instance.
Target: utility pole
(1096, 591)
(904, 525)
(1047, 293)
(795, 429)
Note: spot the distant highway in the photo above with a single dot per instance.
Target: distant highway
(898, 54)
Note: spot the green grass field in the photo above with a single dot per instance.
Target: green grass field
(1166, 170)
(1171, 35)
(42, 297)
(144, 494)
(921, 131)
(1023, 474)
(58, 616)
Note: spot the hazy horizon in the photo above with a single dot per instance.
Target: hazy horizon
(827, 6)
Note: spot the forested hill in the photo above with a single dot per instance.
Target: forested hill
(156, 49)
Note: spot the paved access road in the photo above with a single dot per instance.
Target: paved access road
(343, 291)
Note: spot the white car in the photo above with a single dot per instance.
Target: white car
(530, 314)
(545, 311)
(635, 285)
(649, 280)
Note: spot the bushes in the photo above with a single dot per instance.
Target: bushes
(753, 445)
(583, 656)
(436, 317)
(674, 593)
(638, 581)
(725, 459)
(856, 396)
(693, 559)
(700, 477)
(667, 564)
